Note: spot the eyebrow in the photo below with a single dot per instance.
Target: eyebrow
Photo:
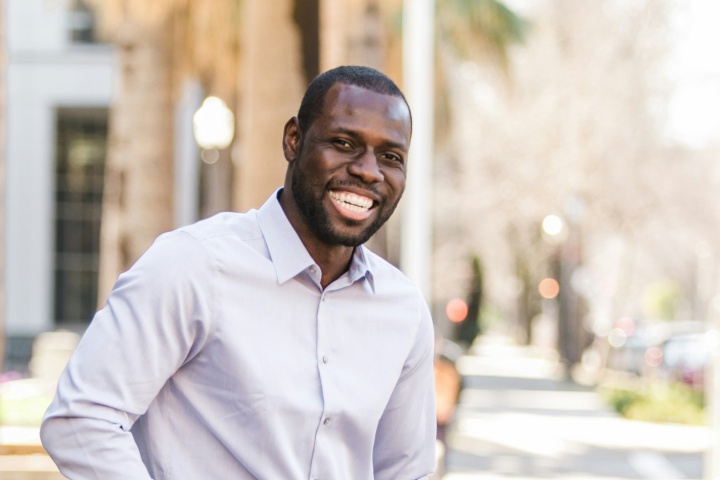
(355, 134)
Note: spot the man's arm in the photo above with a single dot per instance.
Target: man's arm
(405, 440)
(155, 319)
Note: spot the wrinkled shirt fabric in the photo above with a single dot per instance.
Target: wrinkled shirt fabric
(218, 355)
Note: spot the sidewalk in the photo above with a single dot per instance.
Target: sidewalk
(519, 418)
(22, 456)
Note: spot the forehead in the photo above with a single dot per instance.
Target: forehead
(352, 104)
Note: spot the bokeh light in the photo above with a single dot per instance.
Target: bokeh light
(654, 356)
(549, 288)
(617, 337)
(456, 310)
(552, 225)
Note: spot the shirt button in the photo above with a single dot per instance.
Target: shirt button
(312, 269)
(326, 421)
(325, 358)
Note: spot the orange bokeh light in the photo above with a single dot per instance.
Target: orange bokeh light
(456, 310)
(549, 288)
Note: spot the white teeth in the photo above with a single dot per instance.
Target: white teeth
(351, 201)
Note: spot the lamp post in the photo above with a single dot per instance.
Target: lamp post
(214, 129)
(555, 233)
(566, 235)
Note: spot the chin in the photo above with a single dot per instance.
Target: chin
(344, 236)
(349, 240)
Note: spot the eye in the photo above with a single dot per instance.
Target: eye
(342, 144)
(393, 158)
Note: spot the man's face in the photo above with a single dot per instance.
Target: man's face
(348, 169)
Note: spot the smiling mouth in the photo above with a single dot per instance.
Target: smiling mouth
(352, 201)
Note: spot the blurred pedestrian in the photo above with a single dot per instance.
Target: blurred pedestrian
(269, 344)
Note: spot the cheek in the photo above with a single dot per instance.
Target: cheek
(322, 164)
(396, 181)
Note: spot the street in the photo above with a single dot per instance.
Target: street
(519, 418)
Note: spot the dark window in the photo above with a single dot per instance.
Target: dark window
(80, 162)
(307, 18)
(81, 22)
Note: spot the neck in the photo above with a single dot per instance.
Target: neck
(333, 260)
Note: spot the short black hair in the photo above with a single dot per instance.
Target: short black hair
(364, 77)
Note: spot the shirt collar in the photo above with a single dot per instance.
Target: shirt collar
(360, 267)
(287, 252)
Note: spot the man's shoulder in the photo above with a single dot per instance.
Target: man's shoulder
(241, 226)
(213, 237)
(386, 272)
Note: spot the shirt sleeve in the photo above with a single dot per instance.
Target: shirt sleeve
(405, 440)
(155, 320)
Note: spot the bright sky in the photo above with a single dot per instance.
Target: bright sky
(695, 107)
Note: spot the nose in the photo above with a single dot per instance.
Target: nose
(366, 167)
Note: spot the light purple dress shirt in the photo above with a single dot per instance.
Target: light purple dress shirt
(219, 356)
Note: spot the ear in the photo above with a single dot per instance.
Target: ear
(292, 139)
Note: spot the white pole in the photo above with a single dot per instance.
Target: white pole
(187, 156)
(416, 221)
(712, 390)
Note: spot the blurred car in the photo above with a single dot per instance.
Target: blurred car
(685, 357)
(627, 353)
(671, 350)
(630, 340)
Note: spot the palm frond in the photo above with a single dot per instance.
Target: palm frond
(478, 29)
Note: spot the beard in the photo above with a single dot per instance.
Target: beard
(308, 195)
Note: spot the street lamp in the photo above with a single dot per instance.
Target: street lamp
(554, 227)
(565, 236)
(213, 127)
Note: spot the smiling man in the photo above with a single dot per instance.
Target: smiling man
(270, 344)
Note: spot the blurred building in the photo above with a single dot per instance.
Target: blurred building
(98, 117)
(58, 91)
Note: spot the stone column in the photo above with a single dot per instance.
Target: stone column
(271, 87)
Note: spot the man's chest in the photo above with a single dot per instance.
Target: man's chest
(290, 350)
